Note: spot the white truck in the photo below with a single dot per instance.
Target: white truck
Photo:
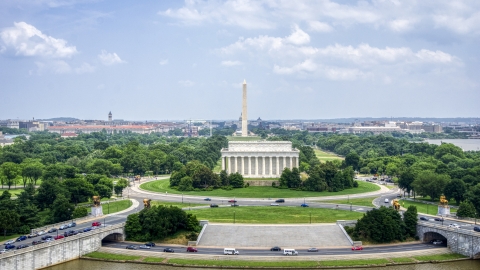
(230, 251)
(290, 251)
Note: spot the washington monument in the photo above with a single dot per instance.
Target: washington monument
(244, 111)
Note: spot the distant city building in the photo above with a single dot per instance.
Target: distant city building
(140, 129)
(69, 135)
(110, 116)
(10, 124)
(4, 141)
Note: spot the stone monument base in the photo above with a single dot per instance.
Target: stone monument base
(443, 210)
(97, 211)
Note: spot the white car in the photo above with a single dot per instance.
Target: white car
(274, 204)
(48, 240)
(41, 233)
(3, 251)
(437, 242)
(9, 242)
(144, 247)
(454, 225)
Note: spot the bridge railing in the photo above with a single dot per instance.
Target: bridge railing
(446, 228)
(60, 241)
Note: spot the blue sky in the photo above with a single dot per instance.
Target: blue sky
(176, 60)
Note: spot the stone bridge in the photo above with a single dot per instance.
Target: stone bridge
(465, 242)
(59, 251)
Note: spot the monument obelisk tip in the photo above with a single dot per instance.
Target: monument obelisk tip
(244, 81)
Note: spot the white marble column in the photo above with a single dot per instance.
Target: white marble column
(236, 165)
(229, 165)
(278, 166)
(263, 165)
(256, 167)
(249, 172)
(291, 163)
(242, 172)
(270, 172)
(223, 163)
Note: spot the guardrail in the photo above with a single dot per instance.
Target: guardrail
(204, 227)
(60, 241)
(76, 220)
(447, 228)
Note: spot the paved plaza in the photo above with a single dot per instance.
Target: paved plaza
(242, 235)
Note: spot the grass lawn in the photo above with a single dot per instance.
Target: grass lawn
(358, 201)
(297, 264)
(238, 138)
(353, 262)
(424, 207)
(401, 260)
(440, 257)
(109, 256)
(113, 207)
(153, 259)
(324, 156)
(13, 191)
(273, 214)
(162, 186)
(180, 205)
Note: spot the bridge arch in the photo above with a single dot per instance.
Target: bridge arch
(113, 237)
(430, 236)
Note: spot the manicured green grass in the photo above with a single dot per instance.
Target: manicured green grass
(238, 138)
(354, 262)
(13, 191)
(324, 156)
(357, 201)
(423, 207)
(180, 205)
(401, 260)
(109, 256)
(440, 257)
(162, 186)
(297, 264)
(113, 207)
(273, 214)
(153, 259)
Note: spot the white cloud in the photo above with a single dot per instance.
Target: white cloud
(55, 66)
(306, 66)
(85, 68)
(231, 63)
(110, 58)
(186, 83)
(26, 40)
(298, 37)
(401, 25)
(163, 62)
(317, 26)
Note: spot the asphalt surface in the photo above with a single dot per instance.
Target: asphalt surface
(301, 252)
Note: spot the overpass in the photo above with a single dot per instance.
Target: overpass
(60, 251)
(465, 242)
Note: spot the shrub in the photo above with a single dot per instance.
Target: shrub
(274, 184)
(355, 184)
(80, 212)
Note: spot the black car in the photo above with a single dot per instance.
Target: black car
(213, 205)
(22, 246)
(45, 237)
(438, 219)
(275, 249)
(69, 233)
(131, 247)
(52, 230)
(280, 200)
(477, 229)
(168, 250)
(150, 244)
(37, 242)
(423, 218)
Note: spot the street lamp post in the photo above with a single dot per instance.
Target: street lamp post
(108, 204)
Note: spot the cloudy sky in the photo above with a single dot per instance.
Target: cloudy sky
(166, 60)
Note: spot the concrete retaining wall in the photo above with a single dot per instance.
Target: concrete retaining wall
(261, 183)
(59, 251)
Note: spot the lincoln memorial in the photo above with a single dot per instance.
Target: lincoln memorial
(259, 158)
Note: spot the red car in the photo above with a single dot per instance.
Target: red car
(59, 237)
(232, 201)
(357, 248)
(96, 224)
(192, 249)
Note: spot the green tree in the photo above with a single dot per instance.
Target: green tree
(120, 186)
(236, 180)
(80, 190)
(410, 219)
(381, 225)
(103, 191)
(455, 189)
(428, 183)
(10, 171)
(186, 184)
(352, 159)
(48, 191)
(62, 209)
(9, 220)
(473, 196)
(405, 181)
(80, 212)
(224, 178)
(466, 210)
(133, 228)
(33, 171)
(285, 177)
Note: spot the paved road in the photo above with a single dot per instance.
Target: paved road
(301, 252)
